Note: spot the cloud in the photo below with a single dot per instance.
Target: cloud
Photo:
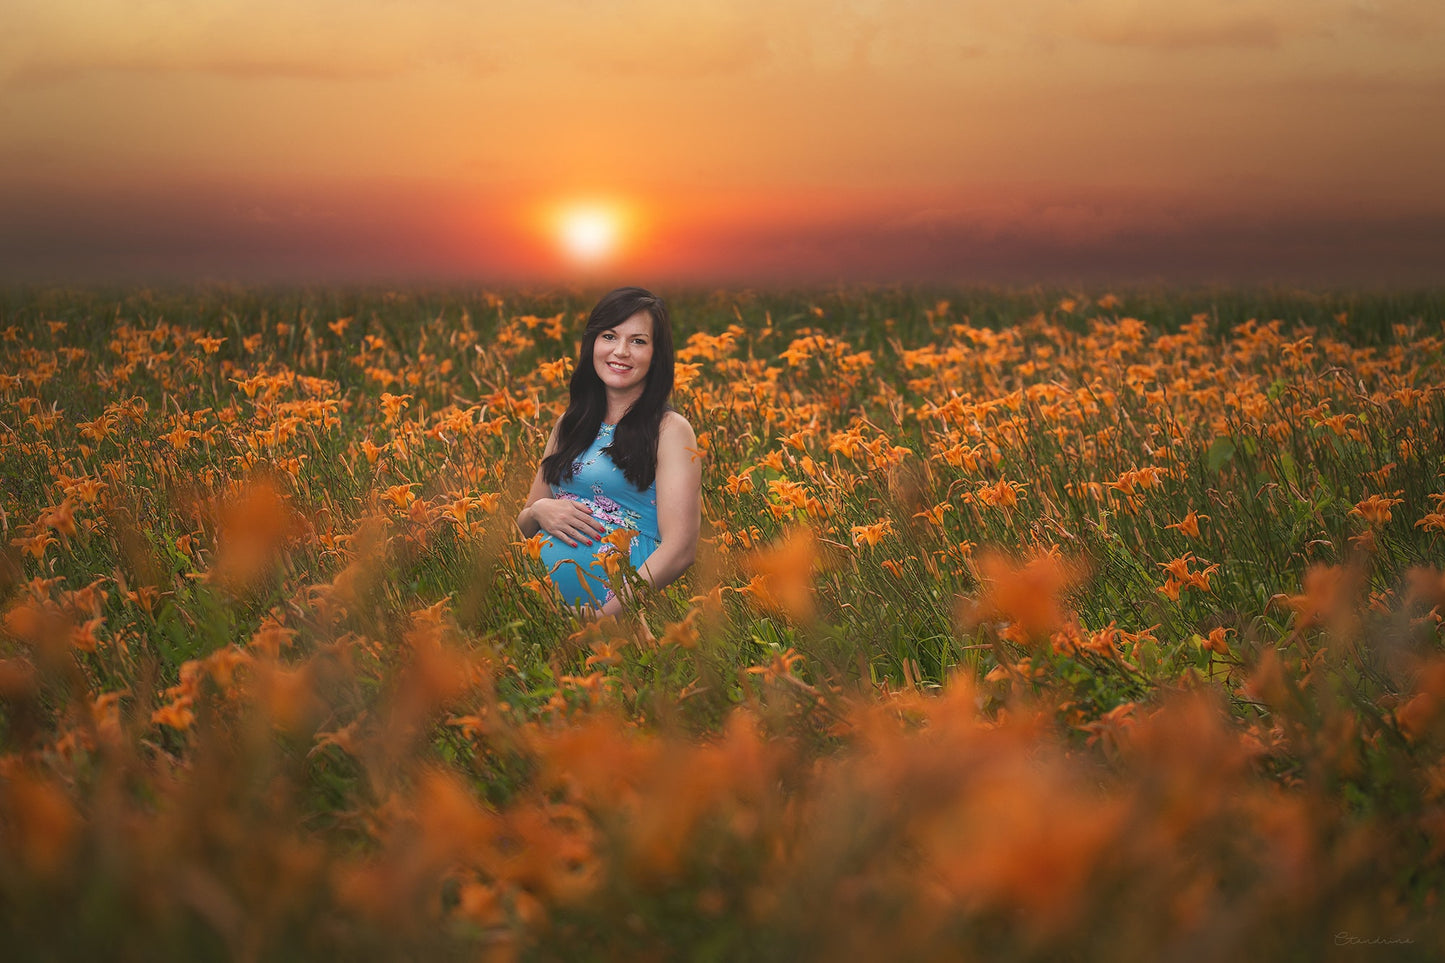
(1187, 35)
(1046, 245)
(245, 67)
(48, 43)
(1188, 25)
(1413, 20)
(648, 38)
(1080, 216)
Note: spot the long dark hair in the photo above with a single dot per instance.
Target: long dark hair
(634, 443)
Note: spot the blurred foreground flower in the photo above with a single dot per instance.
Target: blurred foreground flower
(782, 575)
(1025, 599)
(254, 528)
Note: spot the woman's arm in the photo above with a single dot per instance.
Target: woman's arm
(679, 507)
(527, 517)
(565, 519)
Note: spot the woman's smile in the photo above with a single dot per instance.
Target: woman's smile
(623, 355)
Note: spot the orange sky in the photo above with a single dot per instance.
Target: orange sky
(752, 140)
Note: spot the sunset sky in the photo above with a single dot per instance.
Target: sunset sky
(756, 141)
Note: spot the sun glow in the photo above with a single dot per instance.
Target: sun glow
(590, 233)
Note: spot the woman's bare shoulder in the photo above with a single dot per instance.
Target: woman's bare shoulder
(673, 423)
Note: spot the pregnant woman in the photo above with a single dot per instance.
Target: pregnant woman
(619, 458)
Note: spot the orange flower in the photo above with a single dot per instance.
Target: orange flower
(87, 489)
(43, 822)
(1418, 716)
(1328, 590)
(683, 633)
(1103, 642)
(1200, 579)
(1112, 726)
(532, 547)
(1433, 522)
(1364, 542)
(176, 714)
(1375, 509)
(253, 529)
(846, 443)
(145, 596)
(1189, 524)
(1180, 576)
(620, 539)
(783, 575)
(457, 509)
(179, 438)
(791, 495)
(1026, 597)
(400, 495)
(1215, 641)
(685, 373)
(781, 665)
(97, 430)
(83, 637)
(271, 638)
(610, 562)
(871, 534)
(934, 514)
(372, 450)
(605, 652)
(741, 483)
(392, 405)
(1426, 587)
(554, 371)
(35, 545)
(1003, 494)
(60, 518)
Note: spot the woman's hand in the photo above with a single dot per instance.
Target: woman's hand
(566, 519)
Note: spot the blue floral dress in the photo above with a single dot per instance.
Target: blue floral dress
(615, 502)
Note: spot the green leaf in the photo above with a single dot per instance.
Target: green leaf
(1287, 466)
(1220, 453)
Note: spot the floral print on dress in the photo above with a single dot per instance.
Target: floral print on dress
(608, 512)
(598, 483)
(615, 503)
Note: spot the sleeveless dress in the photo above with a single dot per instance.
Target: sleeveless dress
(615, 502)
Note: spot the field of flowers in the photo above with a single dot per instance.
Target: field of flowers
(1024, 627)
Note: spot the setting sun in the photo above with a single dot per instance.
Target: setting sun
(589, 233)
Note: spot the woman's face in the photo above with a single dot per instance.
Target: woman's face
(623, 354)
